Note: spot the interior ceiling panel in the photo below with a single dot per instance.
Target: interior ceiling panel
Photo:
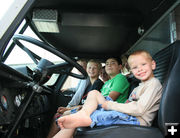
(100, 27)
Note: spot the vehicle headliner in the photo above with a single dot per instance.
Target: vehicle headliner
(99, 28)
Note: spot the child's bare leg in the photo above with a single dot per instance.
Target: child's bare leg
(65, 133)
(79, 119)
(82, 118)
(93, 99)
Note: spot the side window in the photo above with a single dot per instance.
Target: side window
(71, 82)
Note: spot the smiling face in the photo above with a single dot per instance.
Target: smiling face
(112, 67)
(142, 66)
(93, 69)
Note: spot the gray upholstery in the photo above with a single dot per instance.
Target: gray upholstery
(169, 111)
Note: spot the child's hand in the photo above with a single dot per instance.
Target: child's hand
(63, 90)
(61, 110)
(60, 124)
(104, 105)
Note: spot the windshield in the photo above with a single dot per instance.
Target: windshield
(14, 56)
(17, 58)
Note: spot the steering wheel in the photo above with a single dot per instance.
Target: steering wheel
(49, 66)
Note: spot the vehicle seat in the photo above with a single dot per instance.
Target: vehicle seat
(133, 83)
(168, 72)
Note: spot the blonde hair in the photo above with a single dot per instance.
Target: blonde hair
(139, 52)
(82, 62)
(97, 62)
(125, 67)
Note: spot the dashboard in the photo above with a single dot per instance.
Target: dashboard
(11, 99)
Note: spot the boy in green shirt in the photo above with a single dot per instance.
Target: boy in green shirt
(117, 87)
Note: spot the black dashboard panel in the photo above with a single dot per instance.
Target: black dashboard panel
(12, 99)
(11, 74)
(7, 106)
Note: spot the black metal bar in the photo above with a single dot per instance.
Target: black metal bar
(9, 135)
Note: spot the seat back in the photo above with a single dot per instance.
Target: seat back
(168, 72)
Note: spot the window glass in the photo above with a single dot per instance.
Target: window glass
(17, 53)
(18, 58)
(71, 82)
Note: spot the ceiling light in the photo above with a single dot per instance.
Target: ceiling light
(46, 20)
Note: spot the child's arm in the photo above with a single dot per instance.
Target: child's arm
(114, 95)
(149, 98)
(120, 86)
(64, 109)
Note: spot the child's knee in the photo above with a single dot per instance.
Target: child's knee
(94, 93)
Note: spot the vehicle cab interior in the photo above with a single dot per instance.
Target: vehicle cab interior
(41, 41)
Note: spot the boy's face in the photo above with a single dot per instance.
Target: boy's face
(112, 68)
(93, 70)
(104, 75)
(142, 67)
(83, 64)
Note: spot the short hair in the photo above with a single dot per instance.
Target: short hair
(97, 62)
(118, 59)
(138, 52)
(82, 60)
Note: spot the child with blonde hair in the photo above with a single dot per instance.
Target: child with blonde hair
(93, 69)
(142, 104)
(141, 107)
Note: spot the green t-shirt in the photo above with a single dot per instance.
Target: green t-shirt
(119, 84)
